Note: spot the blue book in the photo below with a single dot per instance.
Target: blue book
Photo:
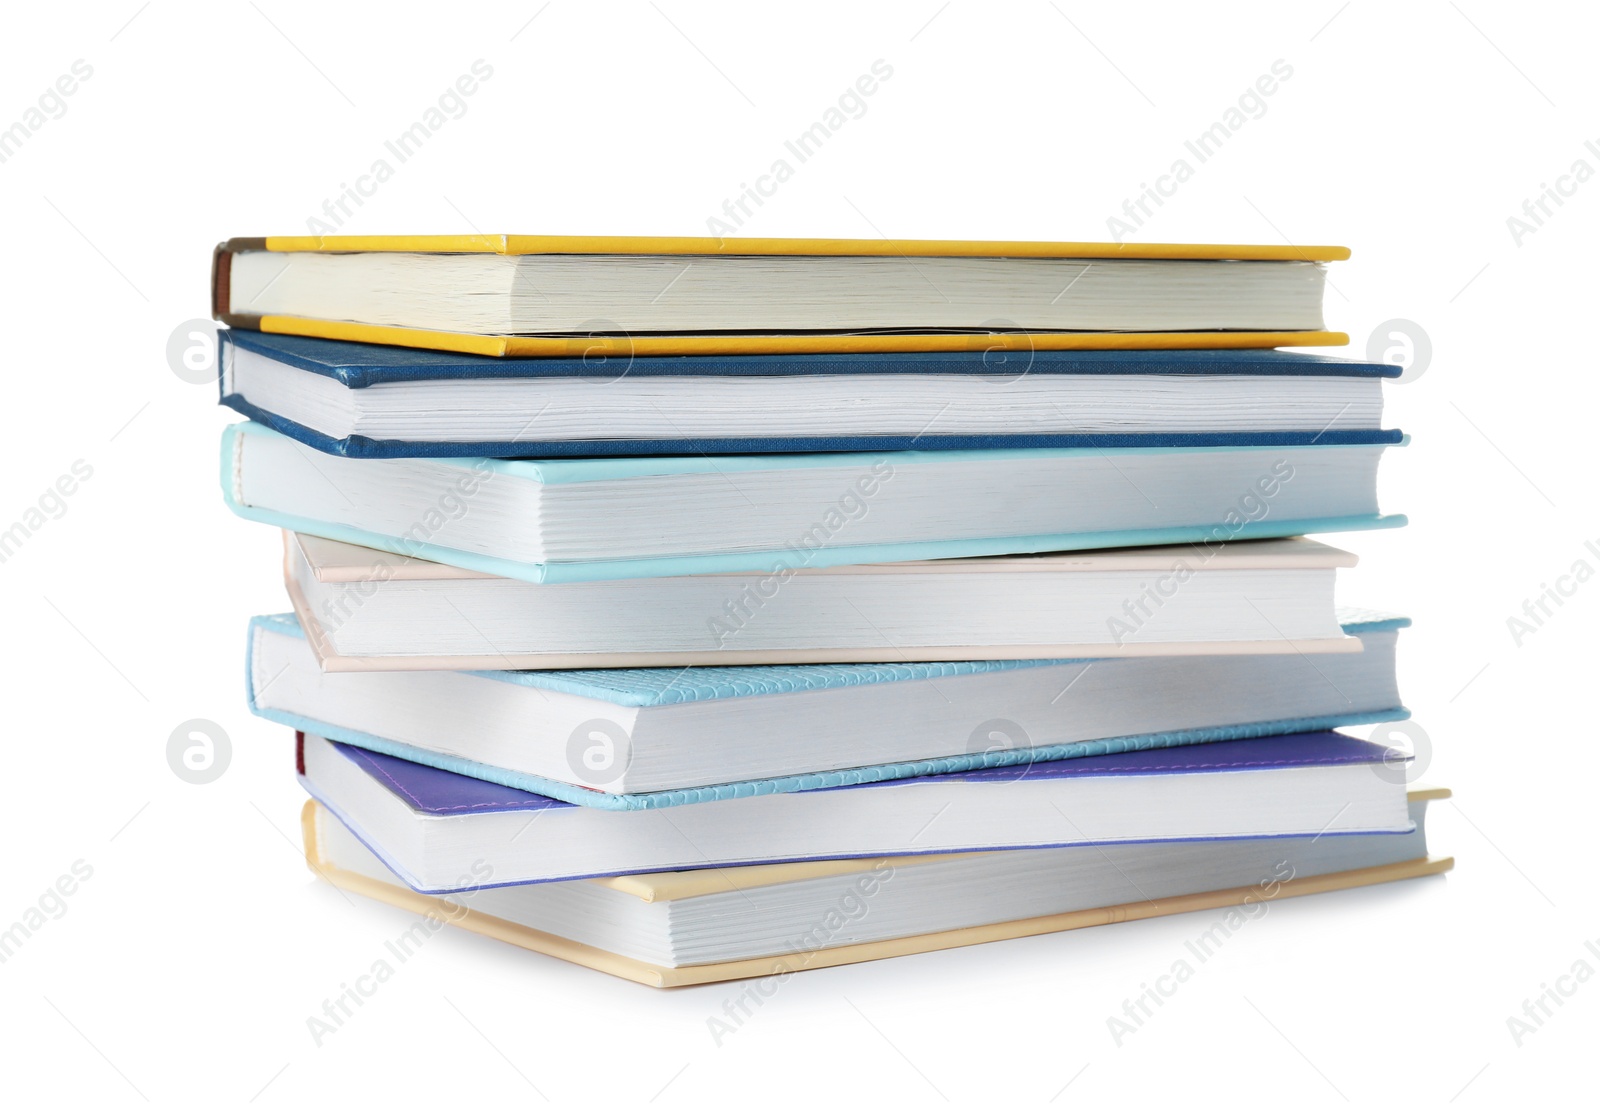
(659, 738)
(442, 832)
(555, 521)
(370, 401)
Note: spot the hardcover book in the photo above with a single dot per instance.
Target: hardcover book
(367, 610)
(692, 927)
(661, 737)
(441, 831)
(526, 295)
(559, 521)
(383, 401)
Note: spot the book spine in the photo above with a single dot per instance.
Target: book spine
(222, 280)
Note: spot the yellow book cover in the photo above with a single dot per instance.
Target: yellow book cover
(745, 341)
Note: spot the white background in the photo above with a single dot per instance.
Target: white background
(186, 966)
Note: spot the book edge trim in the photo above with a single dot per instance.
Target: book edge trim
(526, 244)
(596, 345)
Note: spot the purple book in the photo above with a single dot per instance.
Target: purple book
(442, 832)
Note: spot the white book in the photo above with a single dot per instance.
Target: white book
(682, 928)
(369, 610)
(372, 400)
(709, 291)
(441, 831)
(580, 735)
(560, 521)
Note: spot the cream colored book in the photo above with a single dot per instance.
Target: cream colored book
(685, 928)
(369, 610)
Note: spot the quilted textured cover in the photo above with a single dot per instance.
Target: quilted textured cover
(646, 687)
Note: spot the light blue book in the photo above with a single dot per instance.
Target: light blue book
(633, 517)
(652, 738)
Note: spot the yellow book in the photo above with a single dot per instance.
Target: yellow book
(567, 296)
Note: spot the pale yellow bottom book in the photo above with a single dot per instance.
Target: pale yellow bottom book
(687, 928)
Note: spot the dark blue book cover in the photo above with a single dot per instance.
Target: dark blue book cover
(357, 367)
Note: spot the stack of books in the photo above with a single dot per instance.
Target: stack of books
(696, 610)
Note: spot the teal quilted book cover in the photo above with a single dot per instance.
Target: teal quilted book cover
(613, 700)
